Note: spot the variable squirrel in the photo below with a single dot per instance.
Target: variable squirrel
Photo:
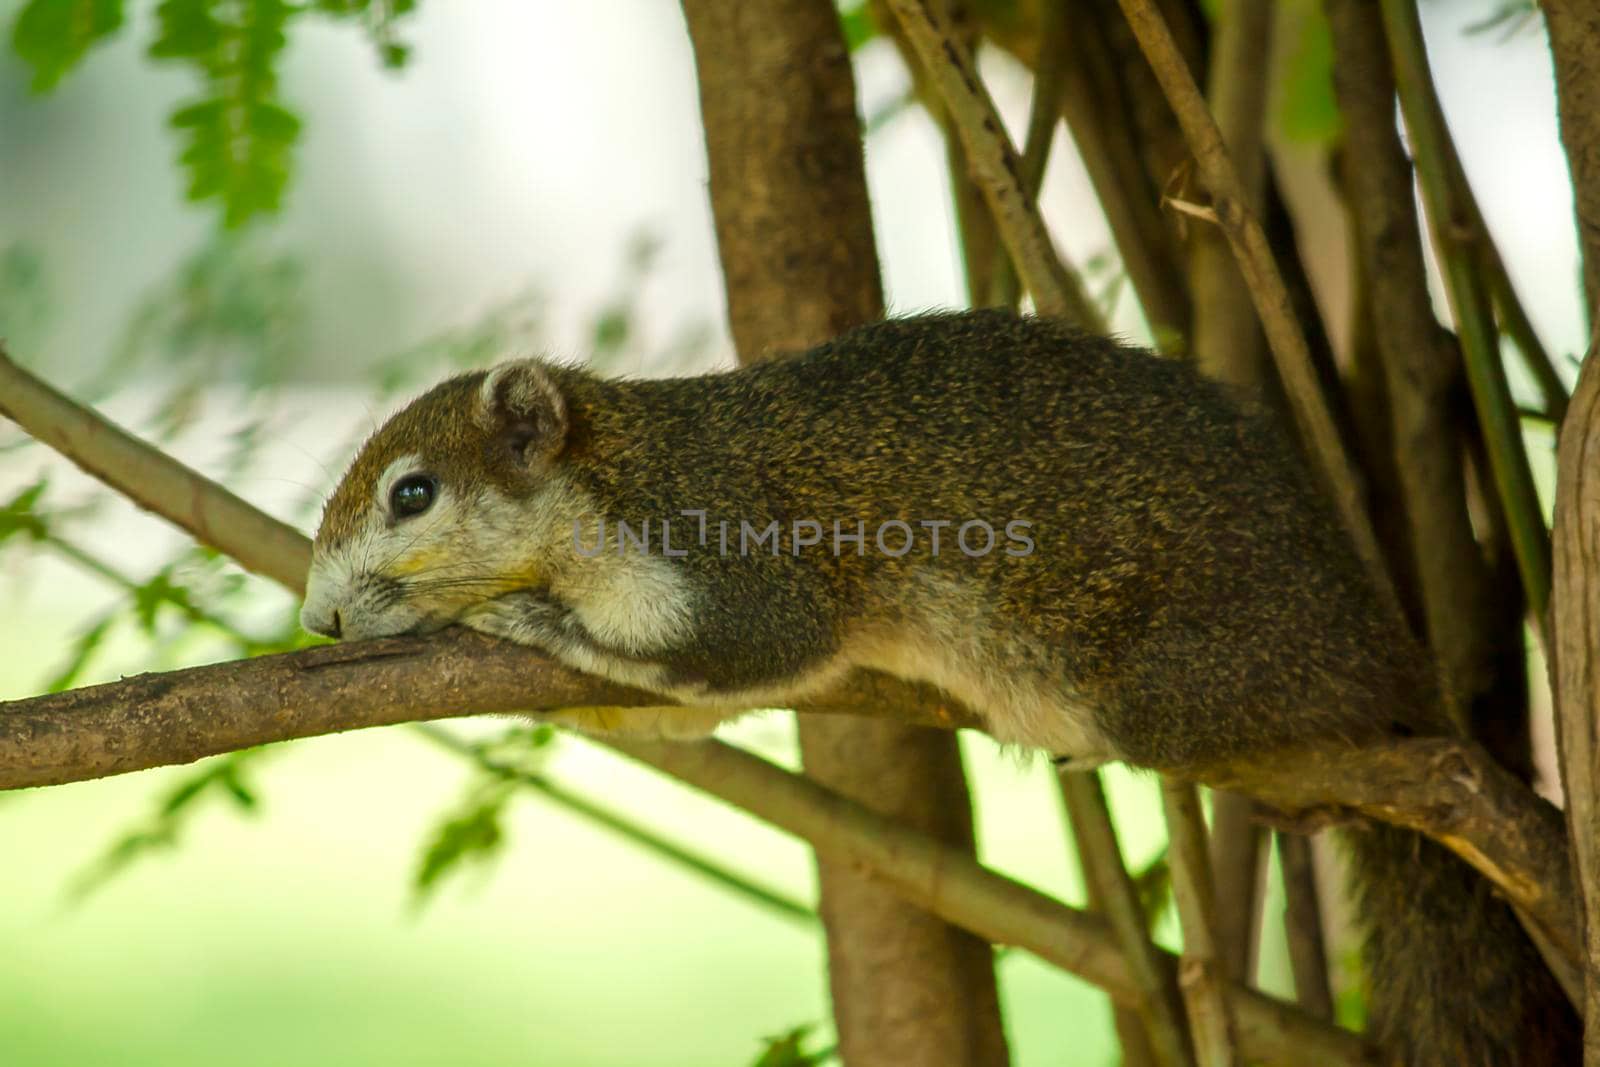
(1099, 552)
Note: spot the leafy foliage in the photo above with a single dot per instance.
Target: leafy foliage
(858, 23)
(20, 517)
(51, 36)
(24, 296)
(471, 835)
(788, 1050)
(380, 17)
(238, 136)
(234, 309)
(223, 778)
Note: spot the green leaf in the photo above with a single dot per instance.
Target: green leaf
(380, 17)
(53, 35)
(788, 1050)
(472, 836)
(18, 516)
(164, 827)
(160, 589)
(186, 29)
(612, 327)
(83, 649)
(232, 784)
(25, 299)
(239, 137)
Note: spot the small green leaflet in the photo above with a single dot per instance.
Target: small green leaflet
(51, 36)
(238, 137)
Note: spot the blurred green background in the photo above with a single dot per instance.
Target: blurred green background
(532, 179)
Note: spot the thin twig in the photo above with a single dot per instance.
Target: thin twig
(625, 827)
(1112, 892)
(1302, 925)
(1238, 861)
(1227, 344)
(1200, 971)
(1513, 315)
(1102, 111)
(146, 476)
(1421, 364)
(956, 888)
(1470, 304)
(1285, 337)
(996, 167)
(1044, 112)
(1226, 341)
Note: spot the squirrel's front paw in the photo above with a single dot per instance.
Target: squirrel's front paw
(527, 617)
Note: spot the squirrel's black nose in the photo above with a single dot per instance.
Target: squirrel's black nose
(329, 625)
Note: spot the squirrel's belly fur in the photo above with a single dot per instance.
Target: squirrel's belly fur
(1165, 587)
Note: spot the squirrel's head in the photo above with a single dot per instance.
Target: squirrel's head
(454, 501)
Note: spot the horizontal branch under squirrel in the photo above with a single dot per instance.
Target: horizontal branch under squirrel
(1448, 789)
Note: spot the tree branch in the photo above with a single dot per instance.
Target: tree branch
(996, 167)
(1421, 366)
(951, 885)
(1227, 342)
(1454, 792)
(1285, 338)
(1575, 47)
(1575, 664)
(1470, 302)
(795, 239)
(1113, 894)
(1200, 971)
(1450, 790)
(153, 480)
(1302, 923)
(155, 720)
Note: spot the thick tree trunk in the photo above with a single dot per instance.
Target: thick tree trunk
(794, 229)
(1575, 664)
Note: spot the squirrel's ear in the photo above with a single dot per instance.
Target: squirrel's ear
(519, 402)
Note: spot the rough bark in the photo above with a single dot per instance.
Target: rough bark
(1575, 664)
(1575, 47)
(993, 161)
(1112, 893)
(1093, 97)
(794, 232)
(1227, 342)
(1422, 367)
(1200, 972)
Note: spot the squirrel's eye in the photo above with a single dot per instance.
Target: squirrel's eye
(412, 495)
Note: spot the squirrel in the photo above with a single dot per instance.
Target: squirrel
(1101, 553)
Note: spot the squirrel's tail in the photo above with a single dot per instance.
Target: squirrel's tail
(1455, 979)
